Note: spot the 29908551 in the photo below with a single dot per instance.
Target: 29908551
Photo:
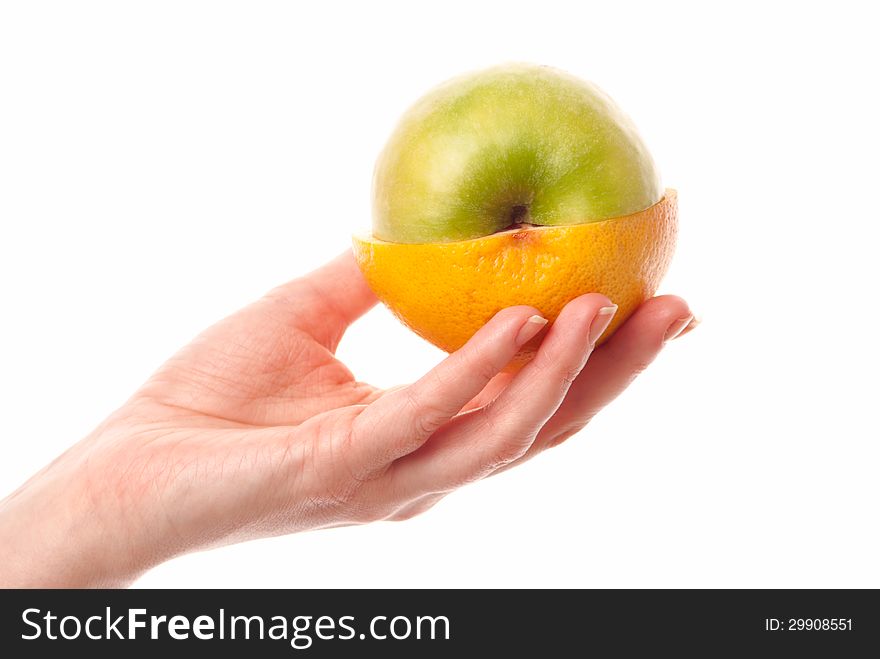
(808, 624)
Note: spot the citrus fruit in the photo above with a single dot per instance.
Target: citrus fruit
(446, 291)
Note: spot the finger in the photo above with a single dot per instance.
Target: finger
(327, 300)
(401, 421)
(475, 444)
(615, 365)
(486, 396)
(417, 507)
(490, 391)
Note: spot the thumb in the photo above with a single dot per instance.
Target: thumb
(327, 300)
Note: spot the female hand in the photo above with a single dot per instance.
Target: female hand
(256, 429)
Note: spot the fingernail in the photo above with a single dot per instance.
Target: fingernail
(696, 320)
(601, 322)
(531, 328)
(680, 327)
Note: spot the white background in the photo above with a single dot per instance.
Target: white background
(164, 163)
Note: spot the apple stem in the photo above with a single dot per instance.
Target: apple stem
(518, 214)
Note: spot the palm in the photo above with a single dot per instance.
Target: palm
(271, 364)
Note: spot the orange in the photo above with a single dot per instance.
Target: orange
(446, 291)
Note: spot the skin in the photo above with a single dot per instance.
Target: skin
(509, 145)
(256, 429)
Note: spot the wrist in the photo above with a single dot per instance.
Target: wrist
(57, 532)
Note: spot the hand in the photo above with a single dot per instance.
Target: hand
(256, 429)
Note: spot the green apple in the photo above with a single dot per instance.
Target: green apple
(515, 144)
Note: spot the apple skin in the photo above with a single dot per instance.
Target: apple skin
(514, 144)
